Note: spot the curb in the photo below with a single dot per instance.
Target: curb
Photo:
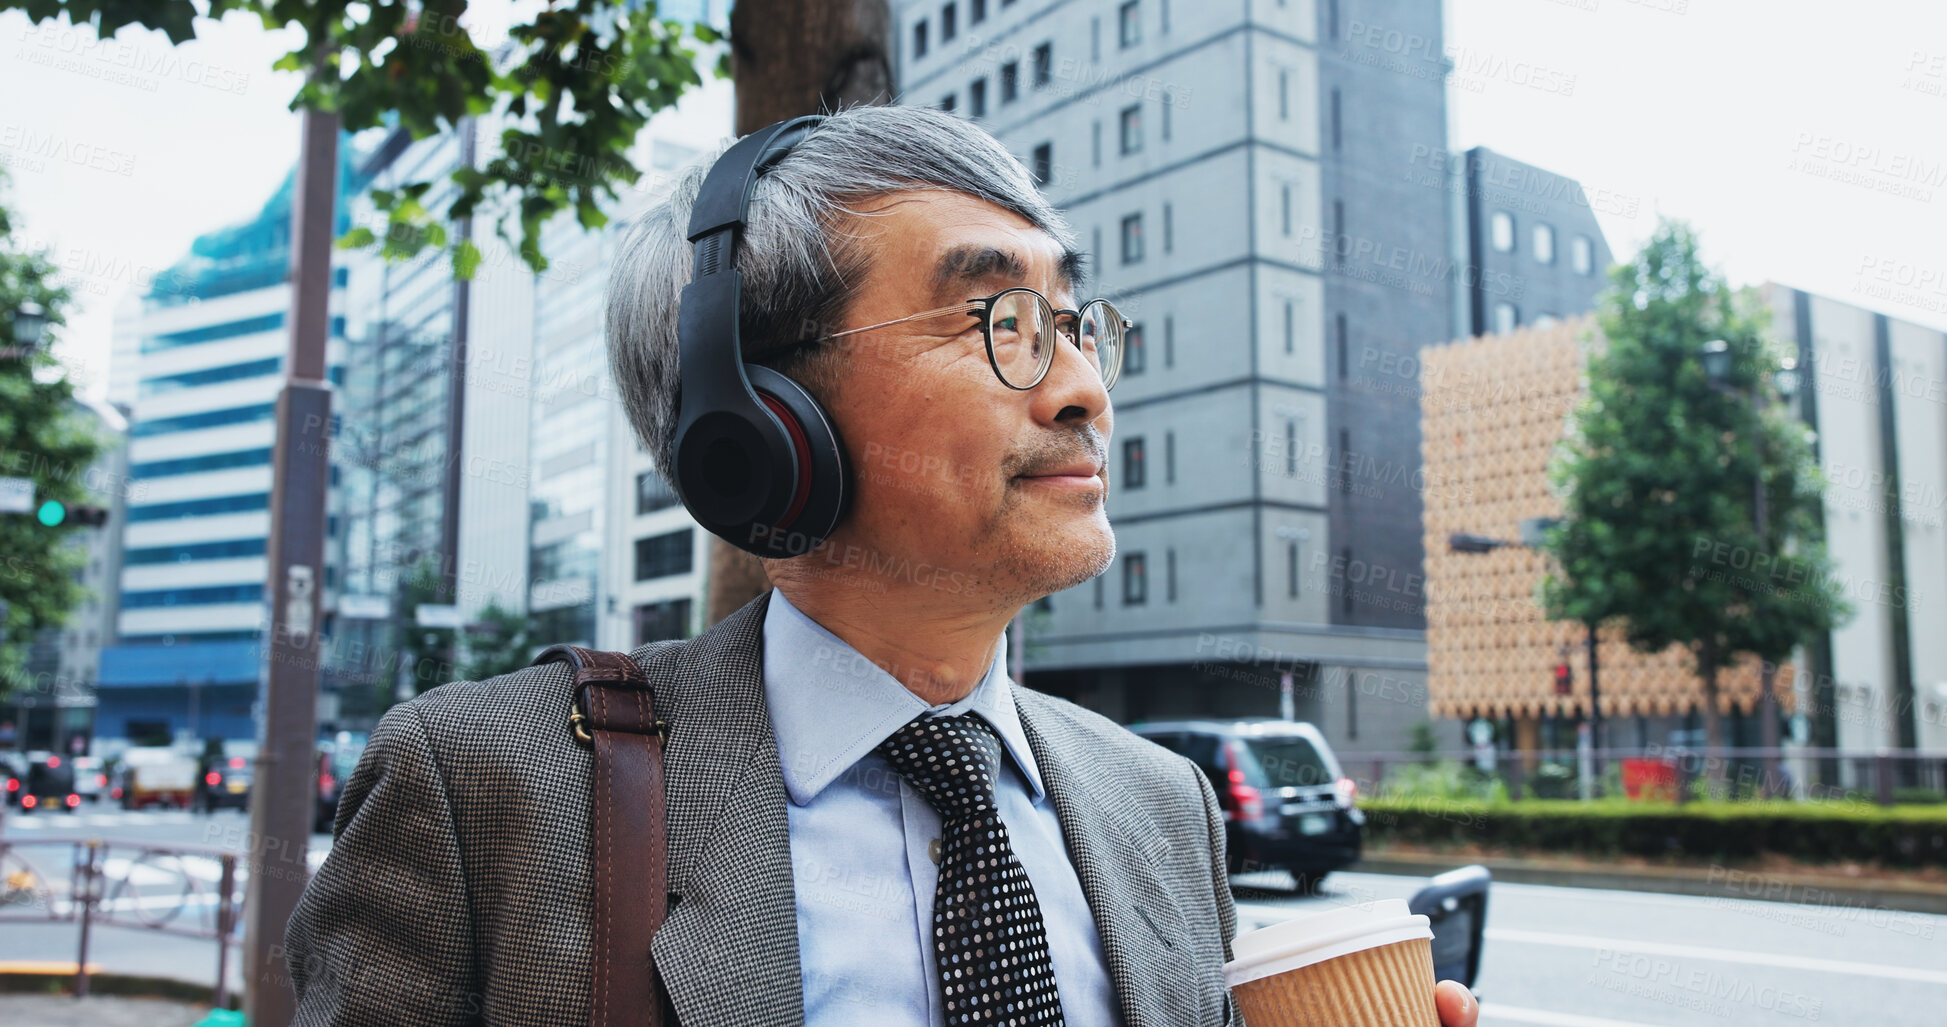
(18, 979)
(1812, 889)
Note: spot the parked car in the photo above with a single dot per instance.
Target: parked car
(337, 756)
(225, 783)
(1287, 804)
(48, 784)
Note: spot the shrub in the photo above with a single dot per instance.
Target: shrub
(1818, 833)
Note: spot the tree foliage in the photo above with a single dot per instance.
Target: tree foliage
(577, 81)
(42, 438)
(1660, 475)
(496, 643)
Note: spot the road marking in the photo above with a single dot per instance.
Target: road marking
(1770, 960)
(1492, 1012)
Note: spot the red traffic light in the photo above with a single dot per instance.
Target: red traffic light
(1564, 679)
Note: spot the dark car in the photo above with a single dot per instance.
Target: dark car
(48, 784)
(225, 783)
(337, 756)
(1286, 803)
(13, 775)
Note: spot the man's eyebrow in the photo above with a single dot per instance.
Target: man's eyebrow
(974, 263)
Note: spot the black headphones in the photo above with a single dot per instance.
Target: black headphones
(758, 461)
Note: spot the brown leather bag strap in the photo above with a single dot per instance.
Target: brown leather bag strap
(614, 715)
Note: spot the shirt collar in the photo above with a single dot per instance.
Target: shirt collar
(830, 705)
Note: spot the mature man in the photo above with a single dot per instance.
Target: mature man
(850, 770)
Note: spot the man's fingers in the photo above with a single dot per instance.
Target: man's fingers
(1456, 1004)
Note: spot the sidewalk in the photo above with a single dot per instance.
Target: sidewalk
(1816, 886)
(96, 1011)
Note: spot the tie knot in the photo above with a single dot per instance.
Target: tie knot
(951, 760)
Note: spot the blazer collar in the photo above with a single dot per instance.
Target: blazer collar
(728, 951)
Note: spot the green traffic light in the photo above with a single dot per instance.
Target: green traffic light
(52, 513)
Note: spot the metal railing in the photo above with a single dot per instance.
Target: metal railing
(181, 890)
(1678, 773)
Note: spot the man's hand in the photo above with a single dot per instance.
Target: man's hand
(1456, 1004)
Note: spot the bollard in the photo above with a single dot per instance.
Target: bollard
(82, 889)
(226, 919)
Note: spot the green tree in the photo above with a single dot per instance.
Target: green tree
(496, 644)
(580, 79)
(42, 439)
(1660, 473)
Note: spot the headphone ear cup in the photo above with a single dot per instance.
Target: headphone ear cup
(821, 492)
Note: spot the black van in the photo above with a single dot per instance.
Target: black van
(48, 784)
(1286, 803)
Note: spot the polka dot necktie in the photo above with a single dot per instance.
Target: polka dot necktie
(987, 931)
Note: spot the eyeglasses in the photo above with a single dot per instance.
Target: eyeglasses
(1020, 327)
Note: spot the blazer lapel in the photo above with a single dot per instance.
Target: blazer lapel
(1118, 854)
(728, 951)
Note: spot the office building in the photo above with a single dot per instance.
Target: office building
(208, 342)
(1532, 247)
(1240, 173)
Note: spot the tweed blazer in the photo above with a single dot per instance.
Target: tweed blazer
(459, 887)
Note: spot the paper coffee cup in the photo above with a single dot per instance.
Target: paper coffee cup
(1369, 965)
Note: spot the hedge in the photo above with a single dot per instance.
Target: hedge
(1904, 836)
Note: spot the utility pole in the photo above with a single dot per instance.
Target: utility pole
(280, 809)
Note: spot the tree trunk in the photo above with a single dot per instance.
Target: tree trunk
(793, 57)
(1714, 764)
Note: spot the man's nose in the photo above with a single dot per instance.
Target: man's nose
(1072, 392)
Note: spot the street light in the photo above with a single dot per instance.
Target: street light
(29, 328)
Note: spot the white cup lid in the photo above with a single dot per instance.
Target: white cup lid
(1304, 940)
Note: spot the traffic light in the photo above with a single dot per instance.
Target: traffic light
(54, 513)
(1564, 679)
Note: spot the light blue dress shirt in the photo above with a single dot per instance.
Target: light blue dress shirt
(860, 836)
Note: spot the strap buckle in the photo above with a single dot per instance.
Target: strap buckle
(578, 726)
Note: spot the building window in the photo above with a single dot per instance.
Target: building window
(1291, 569)
(1542, 242)
(1506, 318)
(1284, 208)
(1336, 139)
(1169, 573)
(1290, 328)
(1010, 81)
(976, 12)
(1501, 231)
(1332, 19)
(652, 493)
(661, 622)
(1345, 580)
(1581, 255)
(1169, 100)
(949, 102)
(1131, 21)
(1338, 328)
(1132, 238)
(1169, 458)
(1169, 341)
(1135, 580)
(1284, 95)
(1098, 591)
(1095, 40)
(1132, 129)
(1169, 229)
(919, 39)
(1095, 143)
(1044, 64)
(1340, 244)
(1133, 471)
(1044, 163)
(1165, 16)
(1345, 461)
(949, 26)
(1545, 318)
(660, 556)
(977, 98)
(1132, 351)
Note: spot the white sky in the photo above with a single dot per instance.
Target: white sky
(1805, 139)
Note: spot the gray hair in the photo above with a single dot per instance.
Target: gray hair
(799, 272)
